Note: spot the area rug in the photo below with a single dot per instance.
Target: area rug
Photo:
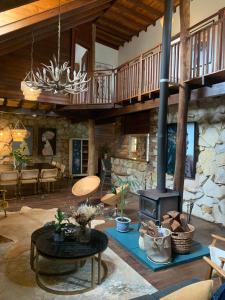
(130, 239)
(17, 280)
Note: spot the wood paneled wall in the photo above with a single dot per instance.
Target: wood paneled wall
(15, 65)
(137, 123)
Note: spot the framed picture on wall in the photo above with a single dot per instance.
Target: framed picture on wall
(47, 141)
(190, 163)
(27, 144)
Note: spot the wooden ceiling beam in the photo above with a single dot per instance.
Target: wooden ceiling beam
(122, 21)
(134, 13)
(9, 4)
(149, 9)
(127, 18)
(107, 43)
(115, 25)
(23, 41)
(81, 13)
(28, 111)
(109, 36)
(49, 14)
(123, 36)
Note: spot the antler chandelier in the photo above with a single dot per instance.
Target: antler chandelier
(56, 77)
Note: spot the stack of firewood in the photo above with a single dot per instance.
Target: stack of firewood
(149, 228)
(175, 221)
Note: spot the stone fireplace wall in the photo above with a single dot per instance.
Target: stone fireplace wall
(65, 131)
(207, 190)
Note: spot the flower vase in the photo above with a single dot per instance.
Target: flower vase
(84, 234)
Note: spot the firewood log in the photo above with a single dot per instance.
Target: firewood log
(176, 227)
(174, 214)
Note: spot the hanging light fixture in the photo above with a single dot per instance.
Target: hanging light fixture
(56, 77)
(19, 132)
(29, 92)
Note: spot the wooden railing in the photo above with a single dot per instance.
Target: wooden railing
(208, 49)
(140, 76)
(100, 90)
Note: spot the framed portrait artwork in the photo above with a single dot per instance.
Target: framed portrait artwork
(47, 141)
(27, 144)
(190, 162)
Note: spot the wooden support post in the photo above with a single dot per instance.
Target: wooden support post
(91, 147)
(184, 95)
(92, 62)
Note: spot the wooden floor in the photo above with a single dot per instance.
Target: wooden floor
(62, 198)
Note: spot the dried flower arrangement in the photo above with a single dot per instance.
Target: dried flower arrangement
(84, 214)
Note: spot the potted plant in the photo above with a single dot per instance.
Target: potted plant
(59, 224)
(122, 222)
(19, 158)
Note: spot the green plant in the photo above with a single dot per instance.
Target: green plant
(124, 186)
(19, 156)
(60, 218)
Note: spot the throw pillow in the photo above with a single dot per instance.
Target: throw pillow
(198, 291)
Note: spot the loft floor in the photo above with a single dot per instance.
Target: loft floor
(63, 198)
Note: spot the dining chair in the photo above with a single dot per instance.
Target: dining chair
(29, 177)
(53, 163)
(48, 177)
(105, 173)
(10, 178)
(3, 202)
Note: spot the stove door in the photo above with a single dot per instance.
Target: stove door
(149, 207)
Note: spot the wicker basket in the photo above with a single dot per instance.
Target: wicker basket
(182, 241)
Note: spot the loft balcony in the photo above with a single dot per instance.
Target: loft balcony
(138, 79)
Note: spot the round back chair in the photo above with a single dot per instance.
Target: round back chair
(86, 186)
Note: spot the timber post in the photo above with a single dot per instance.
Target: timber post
(184, 96)
(91, 147)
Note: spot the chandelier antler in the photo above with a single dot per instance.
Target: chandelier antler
(57, 78)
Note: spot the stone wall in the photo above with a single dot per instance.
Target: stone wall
(65, 131)
(207, 190)
(137, 173)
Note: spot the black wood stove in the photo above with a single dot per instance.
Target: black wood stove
(154, 204)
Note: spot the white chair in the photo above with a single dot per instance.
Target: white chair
(217, 258)
(29, 177)
(48, 177)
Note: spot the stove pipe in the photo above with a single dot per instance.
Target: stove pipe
(164, 92)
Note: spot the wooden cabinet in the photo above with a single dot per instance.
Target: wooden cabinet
(78, 157)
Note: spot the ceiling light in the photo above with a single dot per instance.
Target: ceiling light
(55, 77)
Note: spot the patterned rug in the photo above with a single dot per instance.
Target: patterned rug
(17, 280)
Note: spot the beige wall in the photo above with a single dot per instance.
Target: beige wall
(200, 9)
(106, 55)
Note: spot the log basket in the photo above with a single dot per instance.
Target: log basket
(182, 241)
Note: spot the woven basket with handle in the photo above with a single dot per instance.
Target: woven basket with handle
(182, 241)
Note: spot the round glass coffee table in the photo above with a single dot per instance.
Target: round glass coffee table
(67, 252)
